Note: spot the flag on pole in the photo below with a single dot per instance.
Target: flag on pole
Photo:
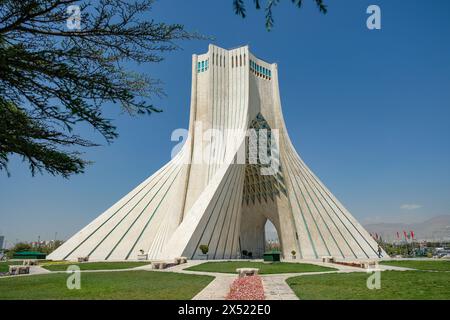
(412, 234)
(404, 232)
(398, 235)
(376, 234)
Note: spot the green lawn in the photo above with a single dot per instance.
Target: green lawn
(94, 265)
(4, 265)
(438, 265)
(264, 268)
(106, 285)
(395, 285)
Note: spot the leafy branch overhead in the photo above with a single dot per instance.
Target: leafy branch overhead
(240, 8)
(53, 78)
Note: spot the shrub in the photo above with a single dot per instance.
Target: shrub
(204, 248)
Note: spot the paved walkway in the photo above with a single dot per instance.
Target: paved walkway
(34, 270)
(276, 288)
(38, 270)
(386, 268)
(217, 290)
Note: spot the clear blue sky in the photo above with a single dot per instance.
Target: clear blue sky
(368, 111)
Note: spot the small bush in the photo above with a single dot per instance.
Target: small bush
(204, 248)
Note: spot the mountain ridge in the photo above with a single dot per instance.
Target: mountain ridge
(433, 229)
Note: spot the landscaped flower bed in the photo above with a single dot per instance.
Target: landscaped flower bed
(246, 288)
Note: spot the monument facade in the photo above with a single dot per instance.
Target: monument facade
(236, 170)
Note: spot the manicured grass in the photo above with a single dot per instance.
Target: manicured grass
(94, 265)
(4, 265)
(438, 265)
(395, 285)
(106, 285)
(264, 268)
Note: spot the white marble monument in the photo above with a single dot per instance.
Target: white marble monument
(219, 190)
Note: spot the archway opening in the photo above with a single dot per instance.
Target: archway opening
(272, 240)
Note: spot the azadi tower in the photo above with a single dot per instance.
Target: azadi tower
(221, 188)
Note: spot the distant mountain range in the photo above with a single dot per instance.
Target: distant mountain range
(434, 229)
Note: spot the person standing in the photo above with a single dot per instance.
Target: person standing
(379, 252)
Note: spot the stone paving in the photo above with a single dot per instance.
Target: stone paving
(386, 268)
(217, 290)
(38, 270)
(276, 288)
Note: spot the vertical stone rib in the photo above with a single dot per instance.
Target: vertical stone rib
(234, 211)
(337, 229)
(348, 217)
(131, 196)
(297, 202)
(223, 212)
(209, 213)
(316, 211)
(174, 169)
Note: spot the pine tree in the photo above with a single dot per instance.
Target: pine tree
(54, 77)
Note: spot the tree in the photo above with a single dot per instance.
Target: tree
(21, 246)
(48, 248)
(18, 247)
(55, 76)
(240, 8)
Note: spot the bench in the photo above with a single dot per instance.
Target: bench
(328, 259)
(158, 265)
(142, 257)
(244, 272)
(15, 270)
(83, 259)
(370, 264)
(180, 260)
(32, 262)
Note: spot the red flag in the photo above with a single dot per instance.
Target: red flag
(398, 235)
(412, 234)
(404, 232)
